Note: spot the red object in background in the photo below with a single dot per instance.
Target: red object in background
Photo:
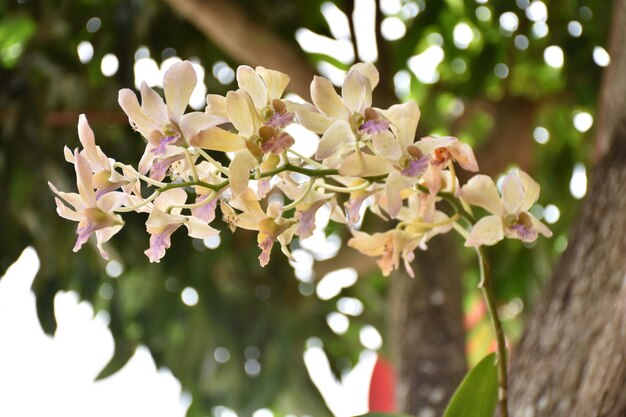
(382, 395)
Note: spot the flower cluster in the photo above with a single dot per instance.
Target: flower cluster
(365, 153)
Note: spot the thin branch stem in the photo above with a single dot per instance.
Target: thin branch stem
(307, 190)
(486, 288)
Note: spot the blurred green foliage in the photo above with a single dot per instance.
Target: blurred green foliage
(44, 86)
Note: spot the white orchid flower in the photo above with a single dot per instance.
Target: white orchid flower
(509, 214)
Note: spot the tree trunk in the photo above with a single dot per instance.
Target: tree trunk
(572, 358)
(427, 330)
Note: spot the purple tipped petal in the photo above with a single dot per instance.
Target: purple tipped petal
(279, 144)
(266, 249)
(159, 243)
(353, 206)
(263, 187)
(280, 120)
(160, 150)
(526, 234)
(306, 225)
(160, 167)
(205, 212)
(83, 232)
(416, 167)
(374, 126)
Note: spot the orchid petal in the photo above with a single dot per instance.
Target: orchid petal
(364, 165)
(239, 171)
(428, 144)
(512, 193)
(242, 113)
(252, 83)
(369, 70)
(404, 119)
(159, 242)
(192, 123)
(178, 84)
(84, 180)
(216, 105)
(370, 245)
(396, 183)
(481, 191)
(169, 198)
(386, 145)
(531, 190)
(129, 103)
(153, 105)
(487, 231)
(314, 121)
(356, 92)
(464, 155)
(539, 226)
(327, 100)
(338, 134)
(218, 139)
(275, 81)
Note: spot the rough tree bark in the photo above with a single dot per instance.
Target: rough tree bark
(572, 358)
(427, 330)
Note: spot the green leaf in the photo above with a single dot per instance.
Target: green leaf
(477, 395)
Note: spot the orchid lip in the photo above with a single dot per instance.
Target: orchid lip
(374, 127)
(415, 167)
(168, 140)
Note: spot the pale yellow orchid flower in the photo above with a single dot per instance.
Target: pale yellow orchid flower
(509, 213)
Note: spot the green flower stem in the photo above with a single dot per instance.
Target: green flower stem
(486, 288)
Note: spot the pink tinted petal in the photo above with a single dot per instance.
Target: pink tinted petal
(266, 246)
(306, 223)
(464, 155)
(540, 227)
(370, 245)
(129, 103)
(432, 178)
(159, 169)
(252, 83)
(280, 120)
(481, 191)
(279, 144)
(206, 212)
(103, 236)
(159, 243)
(374, 126)
(428, 144)
(531, 190)
(87, 139)
(239, 170)
(338, 134)
(242, 113)
(404, 118)
(84, 180)
(327, 100)
(66, 212)
(512, 193)
(364, 165)
(275, 81)
(487, 231)
(396, 183)
(356, 92)
(84, 231)
(178, 84)
(153, 105)
(353, 207)
(263, 187)
(415, 167)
